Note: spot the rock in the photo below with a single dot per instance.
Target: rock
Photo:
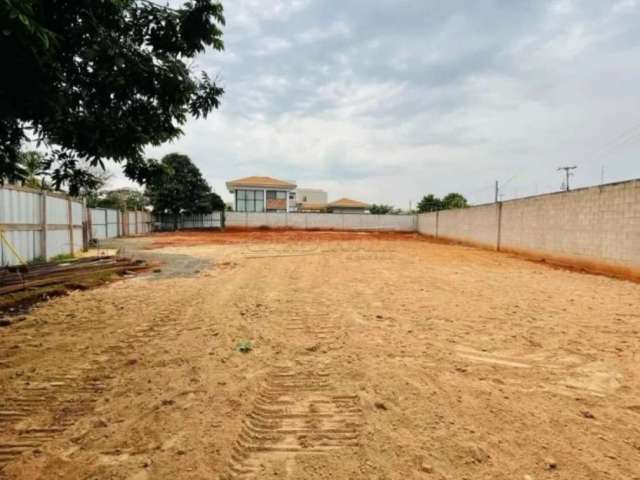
(157, 270)
(426, 468)
(5, 322)
(587, 414)
(100, 423)
(380, 405)
(478, 455)
(312, 348)
(551, 464)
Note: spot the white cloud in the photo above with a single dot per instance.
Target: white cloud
(315, 34)
(271, 45)
(385, 104)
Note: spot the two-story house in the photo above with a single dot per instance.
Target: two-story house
(262, 194)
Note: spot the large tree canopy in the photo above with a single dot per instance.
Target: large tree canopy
(431, 203)
(120, 199)
(100, 79)
(177, 186)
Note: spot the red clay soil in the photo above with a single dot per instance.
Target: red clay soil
(234, 236)
(186, 238)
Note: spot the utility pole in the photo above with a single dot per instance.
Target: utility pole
(602, 175)
(567, 171)
(497, 192)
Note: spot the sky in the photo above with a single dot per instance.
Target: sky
(385, 101)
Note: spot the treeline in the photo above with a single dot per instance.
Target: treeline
(429, 203)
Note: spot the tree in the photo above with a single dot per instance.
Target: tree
(177, 186)
(382, 209)
(120, 199)
(31, 163)
(96, 80)
(454, 200)
(217, 204)
(429, 203)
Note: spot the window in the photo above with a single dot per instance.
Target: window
(250, 200)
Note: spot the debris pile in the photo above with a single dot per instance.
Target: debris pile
(15, 279)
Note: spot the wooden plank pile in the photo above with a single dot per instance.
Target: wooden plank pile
(15, 279)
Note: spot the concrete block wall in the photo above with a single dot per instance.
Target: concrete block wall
(428, 224)
(597, 223)
(590, 227)
(477, 225)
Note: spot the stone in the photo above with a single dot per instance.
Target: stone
(380, 405)
(426, 468)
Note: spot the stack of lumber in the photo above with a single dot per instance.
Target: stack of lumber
(14, 279)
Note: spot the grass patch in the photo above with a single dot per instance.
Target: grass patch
(244, 346)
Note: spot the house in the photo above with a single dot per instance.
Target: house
(347, 205)
(311, 195)
(311, 200)
(260, 194)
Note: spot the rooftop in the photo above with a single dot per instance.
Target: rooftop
(348, 203)
(257, 181)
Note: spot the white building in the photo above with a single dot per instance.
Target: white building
(260, 194)
(311, 195)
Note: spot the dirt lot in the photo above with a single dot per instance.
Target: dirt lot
(372, 357)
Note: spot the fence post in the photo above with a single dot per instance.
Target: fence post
(499, 239)
(437, 222)
(70, 218)
(86, 226)
(43, 225)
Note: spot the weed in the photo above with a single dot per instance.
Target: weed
(244, 346)
(62, 257)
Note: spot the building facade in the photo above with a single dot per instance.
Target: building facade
(262, 194)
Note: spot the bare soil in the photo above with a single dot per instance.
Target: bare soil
(373, 356)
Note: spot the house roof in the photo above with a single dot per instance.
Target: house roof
(311, 206)
(348, 203)
(260, 182)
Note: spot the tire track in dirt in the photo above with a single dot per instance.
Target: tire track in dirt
(43, 405)
(297, 412)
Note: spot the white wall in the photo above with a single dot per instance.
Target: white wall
(21, 221)
(334, 221)
(313, 195)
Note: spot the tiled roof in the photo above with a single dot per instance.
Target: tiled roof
(348, 203)
(311, 206)
(260, 182)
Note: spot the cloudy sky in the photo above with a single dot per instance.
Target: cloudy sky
(384, 101)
